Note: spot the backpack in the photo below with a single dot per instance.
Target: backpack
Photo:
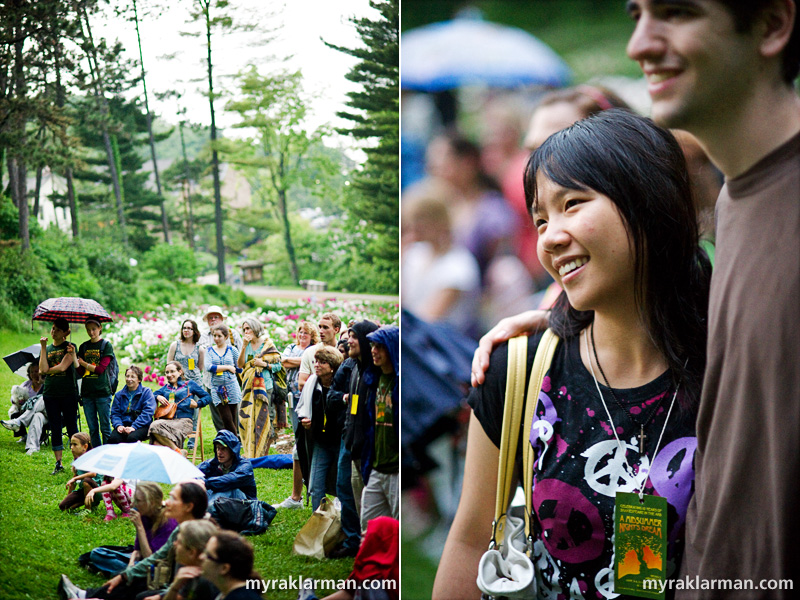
(112, 371)
(248, 517)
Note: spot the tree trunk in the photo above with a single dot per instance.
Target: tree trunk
(187, 190)
(37, 191)
(16, 163)
(112, 167)
(287, 236)
(215, 158)
(60, 101)
(164, 224)
(103, 107)
(73, 209)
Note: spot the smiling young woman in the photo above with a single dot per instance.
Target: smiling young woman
(611, 201)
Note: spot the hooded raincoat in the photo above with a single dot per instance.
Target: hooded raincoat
(240, 474)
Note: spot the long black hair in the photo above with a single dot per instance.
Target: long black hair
(641, 168)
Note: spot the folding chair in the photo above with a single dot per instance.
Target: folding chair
(197, 436)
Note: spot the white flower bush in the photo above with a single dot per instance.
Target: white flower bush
(144, 338)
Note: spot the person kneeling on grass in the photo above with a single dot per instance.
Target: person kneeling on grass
(228, 474)
(114, 491)
(186, 502)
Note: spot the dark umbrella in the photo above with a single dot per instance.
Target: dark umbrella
(21, 358)
(74, 310)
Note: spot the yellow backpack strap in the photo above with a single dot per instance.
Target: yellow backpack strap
(512, 417)
(541, 364)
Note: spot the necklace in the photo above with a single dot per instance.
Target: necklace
(642, 476)
(642, 424)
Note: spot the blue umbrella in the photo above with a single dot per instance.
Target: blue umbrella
(468, 51)
(138, 461)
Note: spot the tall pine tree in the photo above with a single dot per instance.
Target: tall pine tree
(375, 116)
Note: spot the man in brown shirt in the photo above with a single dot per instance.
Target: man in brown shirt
(724, 71)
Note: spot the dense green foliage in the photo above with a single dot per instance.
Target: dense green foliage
(374, 114)
(97, 268)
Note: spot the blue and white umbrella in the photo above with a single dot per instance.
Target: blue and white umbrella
(468, 51)
(138, 461)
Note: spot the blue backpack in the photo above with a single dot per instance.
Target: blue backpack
(112, 371)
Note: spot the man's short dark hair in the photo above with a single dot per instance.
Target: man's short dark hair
(744, 15)
(237, 552)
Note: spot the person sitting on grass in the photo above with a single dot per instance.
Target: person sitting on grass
(187, 502)
(133, 409)
(82, 482)
(228, 564)
(28, 416)
(153, 529)
(188, 395)
(114, 491)
(228, 474)
(188, 582)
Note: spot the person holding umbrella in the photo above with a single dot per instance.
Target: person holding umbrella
(57, 364)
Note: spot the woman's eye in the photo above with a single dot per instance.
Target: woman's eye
(571, 203)
(539, 223)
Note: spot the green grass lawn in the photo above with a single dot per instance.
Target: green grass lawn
(38, 542)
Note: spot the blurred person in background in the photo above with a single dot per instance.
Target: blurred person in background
(440, 278)
(481, 219)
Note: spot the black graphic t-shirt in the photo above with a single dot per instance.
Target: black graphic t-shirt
(63, 383)
(95, 385)
(579, 466)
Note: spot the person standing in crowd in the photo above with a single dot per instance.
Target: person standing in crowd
(226, 394)
(324, 423)
(215, 317)
(725, 71)
(379, 446)
(441, 279)
(307, 334)
(259, 360)
(349, 484)
(228, 474)
(188, 351)
(94, 359)
(329, 326)
(57, 364)
(228, 564)
(132, 410)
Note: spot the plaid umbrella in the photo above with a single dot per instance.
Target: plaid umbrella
(74, 310)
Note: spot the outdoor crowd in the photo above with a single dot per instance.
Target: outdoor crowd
(667, 379)
(340, 393)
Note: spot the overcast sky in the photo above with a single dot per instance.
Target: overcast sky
(301, 24)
